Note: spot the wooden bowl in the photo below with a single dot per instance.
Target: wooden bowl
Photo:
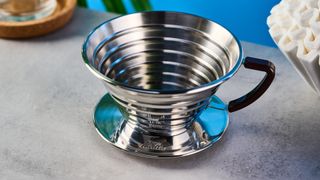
(27, 29)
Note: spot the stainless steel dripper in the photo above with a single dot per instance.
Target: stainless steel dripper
(161, 70)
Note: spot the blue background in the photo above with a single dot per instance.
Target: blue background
(245, 18)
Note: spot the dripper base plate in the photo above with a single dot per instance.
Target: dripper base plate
(204, 132)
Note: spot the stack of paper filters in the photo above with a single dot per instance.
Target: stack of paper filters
(295, 27)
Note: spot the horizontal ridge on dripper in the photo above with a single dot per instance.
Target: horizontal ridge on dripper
(151, 105)
(157, 111)
(160, 130)
(176, 121)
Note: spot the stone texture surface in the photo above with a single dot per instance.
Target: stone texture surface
(47, 97)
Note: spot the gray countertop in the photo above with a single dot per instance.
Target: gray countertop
(47, 96)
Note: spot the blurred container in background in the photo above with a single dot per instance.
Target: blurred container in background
(25, 10)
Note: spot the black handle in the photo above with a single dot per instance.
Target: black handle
(260, 65)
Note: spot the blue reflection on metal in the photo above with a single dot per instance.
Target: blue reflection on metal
(214, 120)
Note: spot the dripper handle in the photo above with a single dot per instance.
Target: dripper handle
(256, 93)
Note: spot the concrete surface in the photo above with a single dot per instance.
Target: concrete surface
(47, 97)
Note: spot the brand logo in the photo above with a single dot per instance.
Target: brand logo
(152, 146)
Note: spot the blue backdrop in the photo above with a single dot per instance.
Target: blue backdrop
(245, 18)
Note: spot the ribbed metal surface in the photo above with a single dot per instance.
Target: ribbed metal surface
(161, 68)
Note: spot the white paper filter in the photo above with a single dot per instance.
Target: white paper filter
(294, 26)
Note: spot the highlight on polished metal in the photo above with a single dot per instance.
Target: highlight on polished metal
(161, 70)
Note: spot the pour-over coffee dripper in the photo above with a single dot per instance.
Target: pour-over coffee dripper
(161, 70)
